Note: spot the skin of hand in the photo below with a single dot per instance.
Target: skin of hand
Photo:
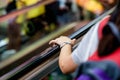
(60, 41)
(66, 62)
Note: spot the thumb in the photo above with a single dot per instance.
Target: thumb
(73, 41)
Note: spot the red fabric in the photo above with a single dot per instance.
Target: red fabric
(101, 26)
(115, 56)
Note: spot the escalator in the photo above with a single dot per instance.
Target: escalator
(35, 61)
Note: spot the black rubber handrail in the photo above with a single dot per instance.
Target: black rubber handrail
(39, 59)
(36, 48)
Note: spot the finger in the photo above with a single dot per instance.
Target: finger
(73, 41)
(52, 42)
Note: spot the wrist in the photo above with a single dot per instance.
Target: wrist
(66, 43)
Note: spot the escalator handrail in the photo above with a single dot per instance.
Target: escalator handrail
(56, 49)
(20, 56)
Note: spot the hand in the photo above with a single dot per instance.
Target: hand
(60, 41)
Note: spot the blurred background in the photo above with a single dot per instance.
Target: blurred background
(30, 24)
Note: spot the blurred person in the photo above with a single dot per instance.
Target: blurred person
(64, 12)
(93, 6)
(40, 19)
(14, 39)
(35, 12)
(100, 70)
(11, 6)
(107, 4)
(89, 9)
(60, 11)
(104, 64)
(62, 4)
(106, 33)
(14, 35)
(31, 18)
(96, 6)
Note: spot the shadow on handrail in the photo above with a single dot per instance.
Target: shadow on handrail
(41, 58)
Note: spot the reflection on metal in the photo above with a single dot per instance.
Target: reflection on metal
(47, 54)
(24, 10)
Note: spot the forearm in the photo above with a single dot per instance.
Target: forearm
(65, 60)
